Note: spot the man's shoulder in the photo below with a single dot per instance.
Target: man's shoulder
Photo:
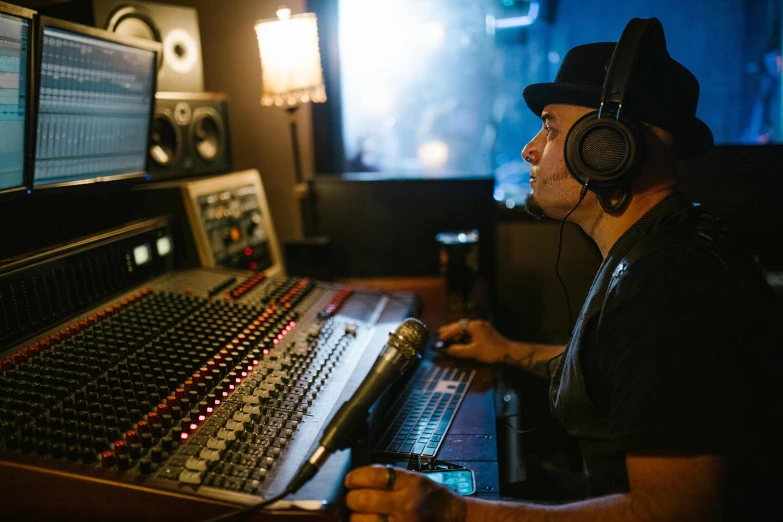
(692, 237)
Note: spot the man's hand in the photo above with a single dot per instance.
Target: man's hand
(483, 343)
(412, 498)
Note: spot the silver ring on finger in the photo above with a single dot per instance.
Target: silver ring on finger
(463, 325)
(391, 477)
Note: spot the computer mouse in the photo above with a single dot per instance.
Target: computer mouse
(443, 346)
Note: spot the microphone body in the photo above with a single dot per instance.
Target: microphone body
(400, 353)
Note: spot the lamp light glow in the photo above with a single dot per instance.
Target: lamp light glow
(290, 59)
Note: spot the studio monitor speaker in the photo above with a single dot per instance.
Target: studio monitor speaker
(189, 136)
(176, 27)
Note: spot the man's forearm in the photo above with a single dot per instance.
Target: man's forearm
(612, 508)
(533, 358)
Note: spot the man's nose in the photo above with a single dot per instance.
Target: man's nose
(529, 153)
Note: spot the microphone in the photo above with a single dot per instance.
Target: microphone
(403, 348)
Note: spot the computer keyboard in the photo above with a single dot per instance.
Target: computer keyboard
(421, 416)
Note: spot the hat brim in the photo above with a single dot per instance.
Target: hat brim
(694, 137)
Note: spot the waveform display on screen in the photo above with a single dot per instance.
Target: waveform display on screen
(14, 34)
(94, 108)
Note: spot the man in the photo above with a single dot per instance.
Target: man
(669, 380)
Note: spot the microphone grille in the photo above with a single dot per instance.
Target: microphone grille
(410, 338)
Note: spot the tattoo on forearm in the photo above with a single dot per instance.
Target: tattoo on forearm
(526, 361)
(534, 361)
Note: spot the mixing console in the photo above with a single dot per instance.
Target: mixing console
(213, 383)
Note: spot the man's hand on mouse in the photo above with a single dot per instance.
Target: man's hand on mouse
(406, 496)
(476, 339)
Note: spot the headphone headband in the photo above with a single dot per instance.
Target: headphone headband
(624, 57)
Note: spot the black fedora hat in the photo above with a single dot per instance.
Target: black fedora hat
(662, 93)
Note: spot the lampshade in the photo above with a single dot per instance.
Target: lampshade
(290, 60)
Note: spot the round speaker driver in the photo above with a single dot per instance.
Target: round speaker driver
(164, 142)
(207, 133)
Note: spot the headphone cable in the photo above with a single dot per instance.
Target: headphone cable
(560, 250)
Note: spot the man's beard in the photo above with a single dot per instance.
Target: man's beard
(533, 208)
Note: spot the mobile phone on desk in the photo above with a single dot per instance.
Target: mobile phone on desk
(461, 481)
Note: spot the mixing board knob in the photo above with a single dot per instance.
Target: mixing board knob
(58, 449)
(107, 459)
(124, 462)
(99, 443)
(156, 454)
(112, 433)
(134, 450)
(120, 447)
(131, 436)
(88, 455)
(145, 466)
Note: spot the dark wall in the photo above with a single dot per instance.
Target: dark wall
(744, 187)
(387, 227)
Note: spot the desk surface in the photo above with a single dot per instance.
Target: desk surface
(472, 438)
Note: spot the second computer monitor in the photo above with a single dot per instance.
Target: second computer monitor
(95, 102)
(15, 36)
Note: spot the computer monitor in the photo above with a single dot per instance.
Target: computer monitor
(96, 96)
(15, 46)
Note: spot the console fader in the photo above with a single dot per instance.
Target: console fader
(209, 383)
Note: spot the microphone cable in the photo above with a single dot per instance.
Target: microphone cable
(251, 509)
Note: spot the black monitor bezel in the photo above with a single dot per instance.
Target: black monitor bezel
(30, 117)
(148, 45)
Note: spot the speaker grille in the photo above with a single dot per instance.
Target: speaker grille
(603, 149)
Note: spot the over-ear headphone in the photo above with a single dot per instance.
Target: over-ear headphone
(604, 150)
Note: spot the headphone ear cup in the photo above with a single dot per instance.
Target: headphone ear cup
(605, 151)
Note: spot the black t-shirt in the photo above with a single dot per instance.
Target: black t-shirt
(684, 360)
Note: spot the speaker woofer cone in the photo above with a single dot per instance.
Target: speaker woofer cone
(207, 134)
(130, 21)
(165, 141)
